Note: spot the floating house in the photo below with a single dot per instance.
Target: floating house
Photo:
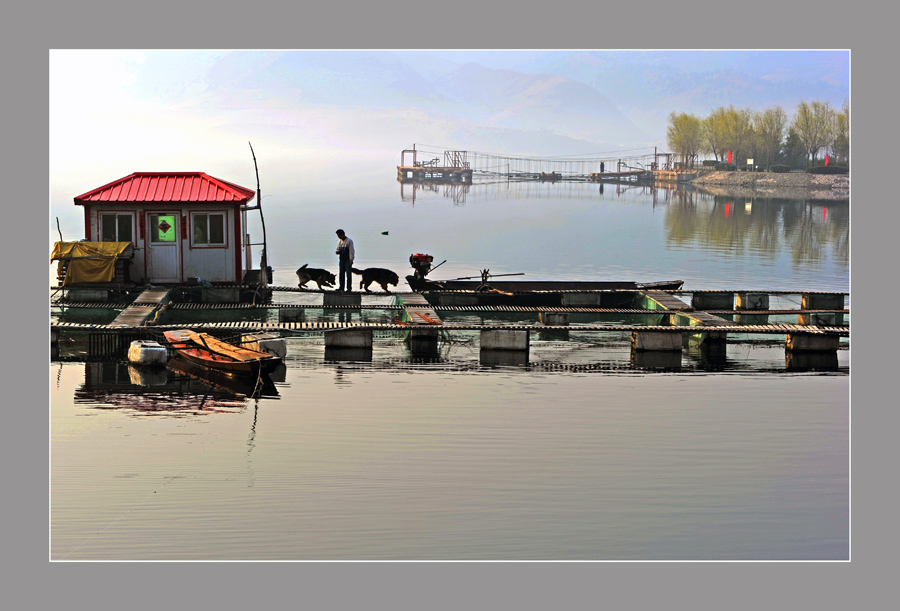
(182, 225)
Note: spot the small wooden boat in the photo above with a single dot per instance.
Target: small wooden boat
(207, 351)
(248, 386)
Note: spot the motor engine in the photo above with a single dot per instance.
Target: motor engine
(421, 263)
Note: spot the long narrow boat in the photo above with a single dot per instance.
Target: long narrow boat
(207, 351)
(420, 285)
(534, 293)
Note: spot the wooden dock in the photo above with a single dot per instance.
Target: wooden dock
(145, 305)
(418, 322)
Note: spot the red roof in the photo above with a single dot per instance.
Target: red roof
(167, 187)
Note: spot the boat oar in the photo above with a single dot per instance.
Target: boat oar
(491, 275)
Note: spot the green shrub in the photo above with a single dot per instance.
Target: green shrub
(828, 169)
(725, 167)
(710, 163)
(779, 168)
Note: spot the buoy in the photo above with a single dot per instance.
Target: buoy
(146, 352)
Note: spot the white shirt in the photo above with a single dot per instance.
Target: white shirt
(347, 243)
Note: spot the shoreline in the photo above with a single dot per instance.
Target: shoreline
(793, 185)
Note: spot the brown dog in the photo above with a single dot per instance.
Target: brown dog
(382, 276)
(319, 276)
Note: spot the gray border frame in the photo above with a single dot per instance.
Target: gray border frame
(37, 583)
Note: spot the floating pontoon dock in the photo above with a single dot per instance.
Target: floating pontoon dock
(819, 328)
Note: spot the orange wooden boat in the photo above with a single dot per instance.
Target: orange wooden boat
(207, 351)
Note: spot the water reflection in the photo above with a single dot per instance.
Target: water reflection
(179, 389)
(738, 221)
(458, 193)
(810, 230)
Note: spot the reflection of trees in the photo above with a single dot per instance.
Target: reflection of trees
(806, 228)
(814, 227)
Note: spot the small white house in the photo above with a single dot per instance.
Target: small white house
(182, 224)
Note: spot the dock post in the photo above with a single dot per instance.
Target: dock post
(752, 301)
(348, 345)
(554, 319)
(703, 300)
(349, 338)
(290, 315)
(504, 347)
(341, 353)
(812, 342)
(669, 360)
(504, 339)
(423, 342)
(811, 361)
(658, 341)
(820, 301)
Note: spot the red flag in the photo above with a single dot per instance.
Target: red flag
(729, 156)
(826, 158)
(727, 206)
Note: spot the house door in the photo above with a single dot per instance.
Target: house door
(163, 247)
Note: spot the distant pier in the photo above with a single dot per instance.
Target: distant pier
(453, 168)
(420, 165)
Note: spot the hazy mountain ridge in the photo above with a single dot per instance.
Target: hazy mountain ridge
(608, 99)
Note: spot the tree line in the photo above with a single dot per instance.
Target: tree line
(768, 137)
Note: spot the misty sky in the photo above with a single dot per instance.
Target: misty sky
(116, 112)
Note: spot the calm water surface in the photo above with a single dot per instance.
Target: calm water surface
(579, 453)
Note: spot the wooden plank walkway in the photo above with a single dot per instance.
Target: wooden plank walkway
(438, 309)
(667, 301)
(773, 329)
(681, 309)
(142, 308)
(417, 310)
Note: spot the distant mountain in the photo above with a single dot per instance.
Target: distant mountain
(651, 84)
(599, 100)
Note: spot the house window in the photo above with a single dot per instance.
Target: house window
(209, 228)
(162, 228)
(116, 228)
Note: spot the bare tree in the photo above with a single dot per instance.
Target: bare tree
(814, 125)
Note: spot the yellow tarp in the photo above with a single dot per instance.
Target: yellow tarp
(88, 261)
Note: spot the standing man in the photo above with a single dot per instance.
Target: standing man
(346, 254)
